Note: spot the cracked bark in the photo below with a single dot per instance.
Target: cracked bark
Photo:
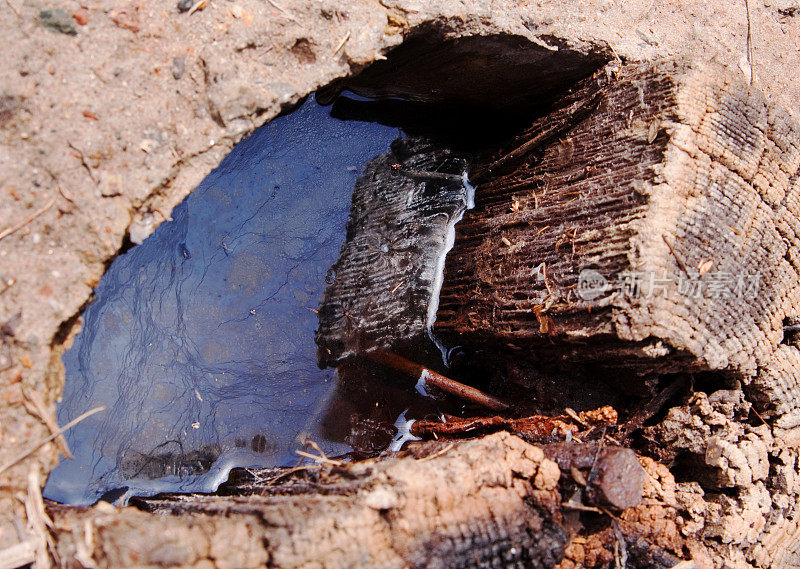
(488, 501)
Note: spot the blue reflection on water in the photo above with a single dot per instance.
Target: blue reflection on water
(201, 341)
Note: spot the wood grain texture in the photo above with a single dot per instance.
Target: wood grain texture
(488, 502)
(681, 189)
(380, 287)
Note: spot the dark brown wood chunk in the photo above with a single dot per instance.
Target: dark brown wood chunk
(614, 477)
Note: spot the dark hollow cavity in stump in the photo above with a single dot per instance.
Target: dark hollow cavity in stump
(194, 344)
(201, 345)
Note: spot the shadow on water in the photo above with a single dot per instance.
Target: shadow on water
(201, 342)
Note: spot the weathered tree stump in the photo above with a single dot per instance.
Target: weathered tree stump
(646, 224)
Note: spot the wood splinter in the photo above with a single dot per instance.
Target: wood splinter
(430, 377)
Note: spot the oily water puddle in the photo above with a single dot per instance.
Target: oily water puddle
(204, 343)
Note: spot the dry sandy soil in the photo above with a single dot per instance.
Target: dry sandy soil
(111, 112)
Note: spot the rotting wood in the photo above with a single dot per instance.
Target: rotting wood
(557, 125)
(657, 235)
(654, 234)
(606, 221)
(536, 428)
(613, 476)
(487, 502)
(652, 406)
(701, 142)
(494, 501)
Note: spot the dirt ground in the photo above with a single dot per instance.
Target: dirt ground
(111, 112)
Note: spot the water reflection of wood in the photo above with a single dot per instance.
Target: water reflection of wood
(380, 289)
(200, 343)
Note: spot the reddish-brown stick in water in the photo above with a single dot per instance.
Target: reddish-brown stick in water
(401, 364)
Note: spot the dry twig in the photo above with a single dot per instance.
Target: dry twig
(438, 453)
(4, 286)
(430, 377)
(38, 521)
(43, 442)
(199, 5)
(14, 9)
(289, 472)
(680, 262)
(35, 405)
(341, 43)
(64, 194)
(14, 228)
(316, 458)
(749, 43)
(620, 547)
(283, 11)
(18, 555)
(83, 160)
(575, 417)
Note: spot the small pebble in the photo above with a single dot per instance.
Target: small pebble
(81, 17)
(185, 5)
(178, 67)
(57, 20)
